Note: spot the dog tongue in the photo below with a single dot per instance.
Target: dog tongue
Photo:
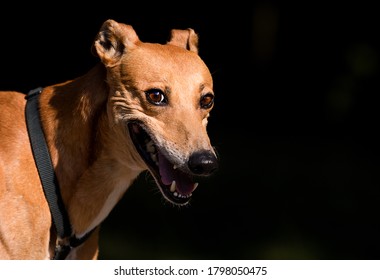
(168, 174)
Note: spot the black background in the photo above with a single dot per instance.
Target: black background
(295, 124)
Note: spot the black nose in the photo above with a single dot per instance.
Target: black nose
(203, 163)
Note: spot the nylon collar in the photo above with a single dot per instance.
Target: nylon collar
(48, 178)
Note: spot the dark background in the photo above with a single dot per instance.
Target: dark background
(295, 123)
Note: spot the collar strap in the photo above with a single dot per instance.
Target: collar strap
(63, 248)
(48, 178)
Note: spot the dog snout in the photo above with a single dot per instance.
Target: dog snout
(203, 163)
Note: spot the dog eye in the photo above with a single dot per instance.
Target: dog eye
(156, 97)
(207, 101)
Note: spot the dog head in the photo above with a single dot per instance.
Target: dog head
(160, 99)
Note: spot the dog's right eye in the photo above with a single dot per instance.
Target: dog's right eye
(156, 97)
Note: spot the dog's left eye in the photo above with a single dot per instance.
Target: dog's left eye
(156, 97)
(207, 101)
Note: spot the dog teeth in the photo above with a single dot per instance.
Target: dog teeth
(150, 147)
(153, 157)
(175, 167)
(173, 187)
(181, 195)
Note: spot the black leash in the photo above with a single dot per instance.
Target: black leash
(48, 178)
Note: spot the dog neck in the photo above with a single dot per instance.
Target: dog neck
(75, 120)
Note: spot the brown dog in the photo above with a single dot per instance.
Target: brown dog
(143, 107)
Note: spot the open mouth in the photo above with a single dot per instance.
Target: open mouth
(175, 185)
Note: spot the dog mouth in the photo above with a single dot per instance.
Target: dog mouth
(175, 185)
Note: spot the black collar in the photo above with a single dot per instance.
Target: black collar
(48, 178)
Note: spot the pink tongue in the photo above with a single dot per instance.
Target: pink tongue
(184, 183)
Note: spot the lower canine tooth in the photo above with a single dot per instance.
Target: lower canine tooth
(195, 186)
(173, 186)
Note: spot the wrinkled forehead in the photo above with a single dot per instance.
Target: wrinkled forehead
(155, 61)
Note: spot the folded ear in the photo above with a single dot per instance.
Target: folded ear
(187, 39)
(113, 40)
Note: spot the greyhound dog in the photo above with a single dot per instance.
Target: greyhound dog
(142, 107)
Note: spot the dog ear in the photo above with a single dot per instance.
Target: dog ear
(112, 40)
(187, 39)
